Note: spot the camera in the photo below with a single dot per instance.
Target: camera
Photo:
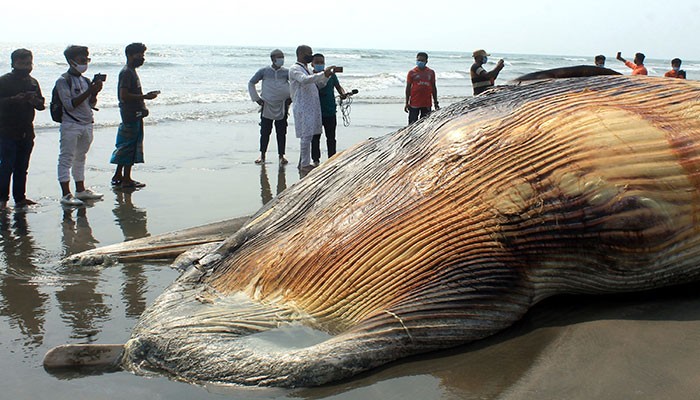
(99, 78)
(337, 70)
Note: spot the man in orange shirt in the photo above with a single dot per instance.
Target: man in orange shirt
(420, 90)
(676, 72)
(637, 67)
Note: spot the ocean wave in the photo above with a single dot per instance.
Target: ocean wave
(159, 118)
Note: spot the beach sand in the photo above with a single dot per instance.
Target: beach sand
(197, 172)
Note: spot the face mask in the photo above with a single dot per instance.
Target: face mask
(676, 69)
(319, 67)
(421, 64)
(279, 62)
(308, 58)
(486, 59)
(600, 65)
(80, 67)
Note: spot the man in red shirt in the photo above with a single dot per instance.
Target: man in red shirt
(637, 67)
(420, 90)
(676, 71)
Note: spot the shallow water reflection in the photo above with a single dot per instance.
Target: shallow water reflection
(266, 188)
(21, 301)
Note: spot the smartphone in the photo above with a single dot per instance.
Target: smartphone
(99, 78)
(338, 69)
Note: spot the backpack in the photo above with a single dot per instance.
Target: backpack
(56, 106)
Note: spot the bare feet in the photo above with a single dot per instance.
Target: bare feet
(283, 160)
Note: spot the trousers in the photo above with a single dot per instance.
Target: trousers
(14, 163)
(74, 144)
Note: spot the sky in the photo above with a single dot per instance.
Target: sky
(660, 29)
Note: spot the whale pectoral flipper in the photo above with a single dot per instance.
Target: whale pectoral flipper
(84, 355)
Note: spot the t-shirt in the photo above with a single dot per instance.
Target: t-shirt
(132, 110)
(16, 119)
(675, 74)
(421, 81)
(327, 96)
(636, 69)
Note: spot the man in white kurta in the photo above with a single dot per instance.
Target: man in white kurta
(306, 106)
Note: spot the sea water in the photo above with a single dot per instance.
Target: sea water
(210, 83)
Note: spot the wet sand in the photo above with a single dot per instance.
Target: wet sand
(574, 347)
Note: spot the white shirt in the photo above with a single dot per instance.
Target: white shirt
(275, 91)
(306, 105)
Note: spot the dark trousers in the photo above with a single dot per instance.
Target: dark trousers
(14, 163)
(414, 111)
(266, 130)
(329, 125)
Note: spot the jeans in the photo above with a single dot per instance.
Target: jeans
(266, 130)
(414, 111)
(329, 125)
(14, 162)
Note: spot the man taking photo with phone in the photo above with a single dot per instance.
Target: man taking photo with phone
(20, 96)
(132, 108)
(79, 97)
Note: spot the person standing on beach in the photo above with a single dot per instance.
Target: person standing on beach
(676, 71)
(79, 97)
(326, 93)
(307, 105)
(637, 66)
(421, 90)
(274, 100)
(20, 96)
(132, 108)
(600, 61)
(482, 79)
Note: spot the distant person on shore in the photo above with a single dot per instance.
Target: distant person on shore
(482, 79)
(274, 100)
(307, 105)
(79, 97)
(676, 71)
(326, 93)
(20, 96)
(637, 66)
(600, 61)
(132, 108)
(421, 90)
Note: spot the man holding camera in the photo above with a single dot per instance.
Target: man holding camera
(326, 93)
(20, 96)
(132, 108)
(79, 97)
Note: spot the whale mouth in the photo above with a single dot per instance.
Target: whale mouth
(195, 334)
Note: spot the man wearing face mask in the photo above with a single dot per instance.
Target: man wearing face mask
(132, 109)
(79, 98)
(20, 96)
(274, 100)
(676, 71)
(421, 90)
(326, 93)
(482, 79)
(307, 105)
